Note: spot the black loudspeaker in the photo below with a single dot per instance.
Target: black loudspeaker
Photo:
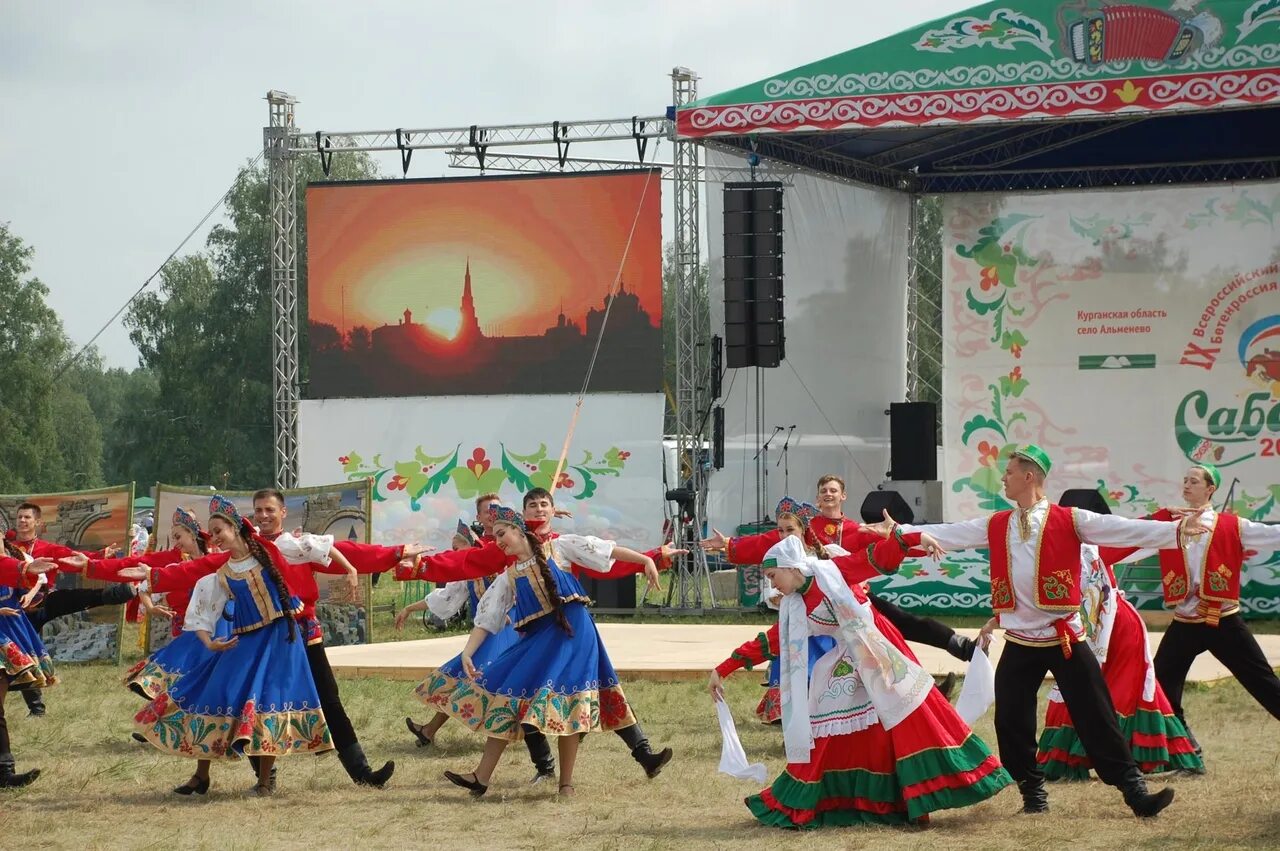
(1090, 499)
(877, 502)
(717, 366)
(609, 593)
(753, 313)
(717, 437)
(913, 441)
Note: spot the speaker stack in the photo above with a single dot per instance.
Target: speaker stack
(753, 275)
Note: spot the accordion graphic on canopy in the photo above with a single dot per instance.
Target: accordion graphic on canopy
(1125, 33)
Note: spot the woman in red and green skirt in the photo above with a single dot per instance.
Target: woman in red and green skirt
(869, 740)
(1118, 637)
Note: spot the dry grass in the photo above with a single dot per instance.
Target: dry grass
(100, 789)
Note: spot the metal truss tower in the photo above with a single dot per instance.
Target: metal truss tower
(282, 175)
(693, 338)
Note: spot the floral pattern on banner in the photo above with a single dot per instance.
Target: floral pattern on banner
(1243, 210)
(1003, 29)
(999, 254)
(480, 473)
(1260, 14)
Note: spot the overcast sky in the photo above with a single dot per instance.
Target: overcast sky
(125, 120)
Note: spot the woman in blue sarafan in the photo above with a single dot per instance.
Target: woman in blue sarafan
(253, 695)
(445, 603)
(557, 678)
(24, 662)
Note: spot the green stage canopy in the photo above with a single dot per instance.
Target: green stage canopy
(1010, 61)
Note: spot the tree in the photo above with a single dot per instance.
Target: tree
(49, 438)
(206, 337)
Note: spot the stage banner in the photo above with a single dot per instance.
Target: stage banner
(1131, 333)
(341, 510)
(485, 285)
(430, 458)
(88, 521)
(823, 410)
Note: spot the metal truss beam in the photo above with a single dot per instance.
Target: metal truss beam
(541, 163)
(1039, 140)
(480, 138)
(782, 149)
(282, 178)
(1100, 176)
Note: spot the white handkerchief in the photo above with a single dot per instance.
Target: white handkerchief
(733, 759)
(979, 690)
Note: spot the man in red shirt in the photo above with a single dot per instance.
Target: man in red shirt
(45, 602)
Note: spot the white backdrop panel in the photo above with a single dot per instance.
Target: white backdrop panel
(430, 458)
(845, 264)
(1129, 332)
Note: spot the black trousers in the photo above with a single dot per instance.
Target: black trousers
(1232, 644)
(335, 715)
(4, 725)
(66, 601)
(1018, 677)
(925, 631)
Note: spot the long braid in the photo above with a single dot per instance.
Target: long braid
(12, 549)
(259, 552)
(549, 581)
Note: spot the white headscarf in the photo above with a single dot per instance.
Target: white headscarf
(895, 684)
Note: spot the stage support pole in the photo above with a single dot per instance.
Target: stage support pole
(693, 380)
(282, 175)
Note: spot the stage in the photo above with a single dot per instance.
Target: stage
(667, 652)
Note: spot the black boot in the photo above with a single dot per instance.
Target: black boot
(1035, 798)
(1143, 803)
(947, 685)
(544, 762)
(353, 760)
(651, 762)
(35, 702)
(10, 779)
(960, 647)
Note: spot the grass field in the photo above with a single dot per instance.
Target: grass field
(101, 789)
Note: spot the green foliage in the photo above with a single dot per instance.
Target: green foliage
(206, 338)
(49, 437)
(198, 410)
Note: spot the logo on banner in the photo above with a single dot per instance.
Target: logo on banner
(1237, 415)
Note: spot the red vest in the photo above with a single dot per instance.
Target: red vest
(1219, 573)
(1057, 562)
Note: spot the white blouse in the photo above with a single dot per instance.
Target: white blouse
(209, 598)
(304, 549)
(1026, 621)
(583, 550)
(447, 601)
(1253, 536)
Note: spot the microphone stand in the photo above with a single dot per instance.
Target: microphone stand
(762, 496)
(1230, 492)
(786, 464)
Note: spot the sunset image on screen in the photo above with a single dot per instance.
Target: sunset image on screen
(484, 285)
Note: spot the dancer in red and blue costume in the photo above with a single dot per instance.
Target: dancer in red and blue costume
(152, 676)
(253, 694)
(557, 678)
(316, 554)
(539, 509)
(24, 662)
